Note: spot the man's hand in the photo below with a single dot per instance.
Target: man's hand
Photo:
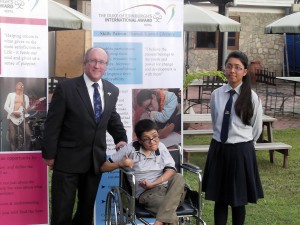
(17, 114)
(152, 115)
(121, 144)
(166, 131)
(49, 162)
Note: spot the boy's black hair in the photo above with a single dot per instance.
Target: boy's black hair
(144, 126)
(141, 127)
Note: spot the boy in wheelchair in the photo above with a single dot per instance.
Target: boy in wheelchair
(158, 187)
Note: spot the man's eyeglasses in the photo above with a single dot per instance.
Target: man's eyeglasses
(237, 68)
(94, 62)
(148, 140)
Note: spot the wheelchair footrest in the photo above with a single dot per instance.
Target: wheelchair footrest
(184, 210)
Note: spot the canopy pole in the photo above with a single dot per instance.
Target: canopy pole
(187, 37)
(221, 40)
(225, 40)
(286, 56)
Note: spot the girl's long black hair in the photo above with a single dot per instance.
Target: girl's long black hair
(243, 106)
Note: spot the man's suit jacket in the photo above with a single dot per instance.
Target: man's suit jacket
(72, 136)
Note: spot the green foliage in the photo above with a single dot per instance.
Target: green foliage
(281, 203)
(198, 74)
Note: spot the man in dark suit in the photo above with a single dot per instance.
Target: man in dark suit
(75, 141)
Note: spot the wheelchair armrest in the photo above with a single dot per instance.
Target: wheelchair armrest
(130, 179)
(191, 167)
(127, 170)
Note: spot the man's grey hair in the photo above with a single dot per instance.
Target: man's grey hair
(86, 56)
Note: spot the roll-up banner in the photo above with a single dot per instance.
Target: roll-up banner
(23, 85)
(145, 42)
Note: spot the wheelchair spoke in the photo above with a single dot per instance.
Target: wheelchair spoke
(108, 209)
(114, 208)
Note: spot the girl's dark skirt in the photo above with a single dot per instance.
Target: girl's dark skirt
(231, 174)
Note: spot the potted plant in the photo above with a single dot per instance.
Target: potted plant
(198, 75)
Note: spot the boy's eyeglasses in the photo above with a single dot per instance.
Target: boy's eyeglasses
(148, 140)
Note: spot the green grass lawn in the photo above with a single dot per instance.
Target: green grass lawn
(281, 204)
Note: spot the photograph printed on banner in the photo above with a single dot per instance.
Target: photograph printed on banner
(23, 111)
(162, 105)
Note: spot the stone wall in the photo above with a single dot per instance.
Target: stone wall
(265, 48)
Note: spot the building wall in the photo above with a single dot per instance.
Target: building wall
(84, 7)
(265, 48)
(284, 3)
(64, 2)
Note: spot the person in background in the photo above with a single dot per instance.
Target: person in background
(81, 111)
(158, 187)
(231, 176)
(16, 106)
(162, 107)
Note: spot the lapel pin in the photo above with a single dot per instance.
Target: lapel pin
(109, 93)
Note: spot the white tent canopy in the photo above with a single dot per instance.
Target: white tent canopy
(199, 19)
(289, 24)
(62, 16)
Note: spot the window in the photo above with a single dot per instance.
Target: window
(206, 40)
(210, 40)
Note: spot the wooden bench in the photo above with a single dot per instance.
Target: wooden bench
(275, 146)
(196, 132)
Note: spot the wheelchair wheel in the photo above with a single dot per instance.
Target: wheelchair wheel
(114, 208)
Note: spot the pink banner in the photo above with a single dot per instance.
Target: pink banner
(27, 21)
(23, 189)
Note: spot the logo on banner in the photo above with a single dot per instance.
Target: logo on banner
(158, 14)
(18, 4)
(7, 4)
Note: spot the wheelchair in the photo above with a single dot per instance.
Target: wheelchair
(122, 208)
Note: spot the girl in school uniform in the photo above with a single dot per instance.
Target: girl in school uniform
(231, 175)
